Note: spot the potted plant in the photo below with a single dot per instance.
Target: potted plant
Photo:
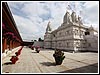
(59, 57)
(32, 47)
(16, 53)
(37, 49)
(14, 59)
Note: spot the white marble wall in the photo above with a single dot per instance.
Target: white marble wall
(70, 37)
(92, 42)
(39, 43)
(47, 45)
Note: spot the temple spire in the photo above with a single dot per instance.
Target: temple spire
(48, 29)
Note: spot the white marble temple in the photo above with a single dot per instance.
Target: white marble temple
(71, 35)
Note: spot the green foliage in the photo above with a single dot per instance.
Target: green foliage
(40, 39)
(59, 55)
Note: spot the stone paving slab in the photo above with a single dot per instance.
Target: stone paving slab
(43, 62)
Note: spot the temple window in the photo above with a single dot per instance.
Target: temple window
(83, 45)
(53, 35)
(89, 44)
(87, 33)
(59, 44)
(77, 44)
(59, 33)
(67, 44)
(68, 33)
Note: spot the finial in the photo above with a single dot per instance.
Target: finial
(48, 22)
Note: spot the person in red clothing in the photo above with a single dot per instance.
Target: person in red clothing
(37, 49)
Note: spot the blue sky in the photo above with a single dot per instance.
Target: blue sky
(32, 17)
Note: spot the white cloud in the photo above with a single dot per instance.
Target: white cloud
(90, 13)
(91, 4)
(25, 26)
(34, 16)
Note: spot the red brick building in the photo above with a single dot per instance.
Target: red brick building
(10, 35)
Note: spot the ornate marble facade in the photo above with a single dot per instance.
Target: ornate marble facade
(71, 35)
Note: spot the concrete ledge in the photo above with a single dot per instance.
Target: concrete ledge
(8, 52)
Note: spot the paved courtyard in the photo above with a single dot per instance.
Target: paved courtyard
(43, 62)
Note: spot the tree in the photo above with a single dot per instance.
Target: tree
(32, 40)
(40, 39)
(35, 40)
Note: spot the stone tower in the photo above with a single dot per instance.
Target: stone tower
(73, 15)
(67, 18)
(48, 29)
(47, 36)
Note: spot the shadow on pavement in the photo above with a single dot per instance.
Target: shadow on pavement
(48, 64)
(7, 63)
(33, 52)
(85, 69)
